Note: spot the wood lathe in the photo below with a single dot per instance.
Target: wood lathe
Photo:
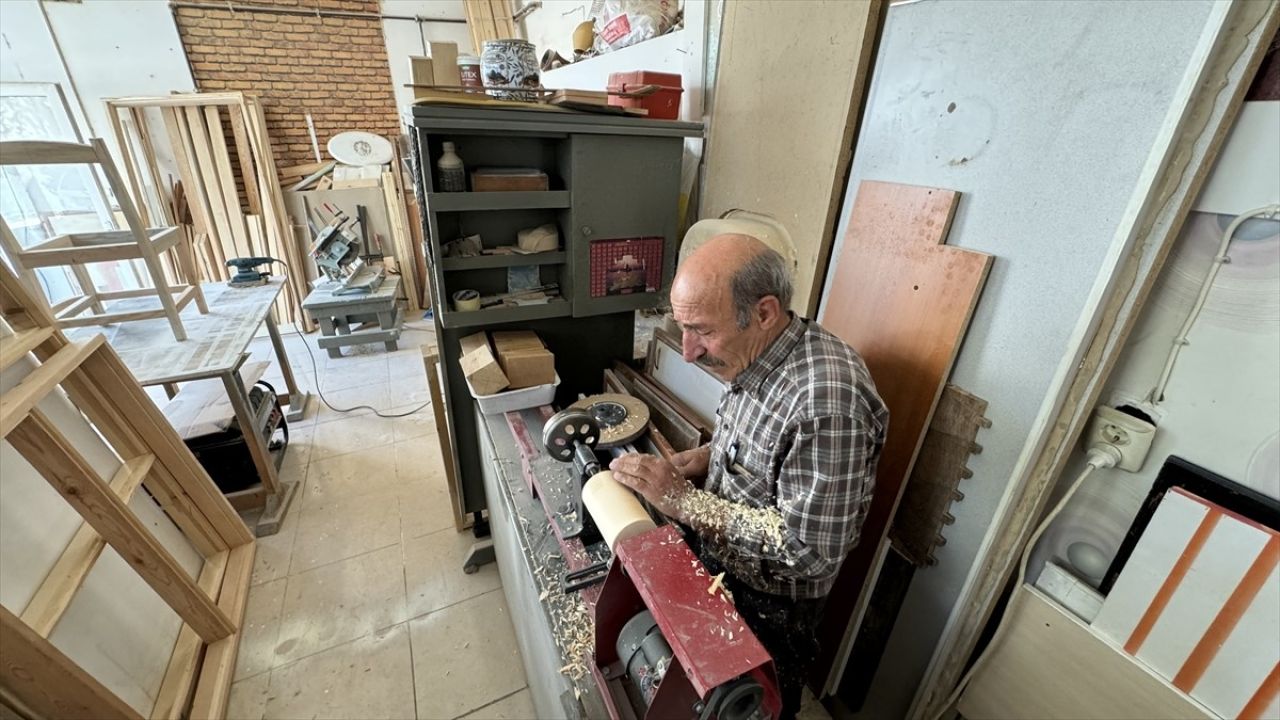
(668, 642)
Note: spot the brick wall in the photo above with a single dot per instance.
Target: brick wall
(334, 68)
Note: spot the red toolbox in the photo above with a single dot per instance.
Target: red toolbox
(662, 105)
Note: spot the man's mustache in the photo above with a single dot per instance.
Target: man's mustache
(708, 361)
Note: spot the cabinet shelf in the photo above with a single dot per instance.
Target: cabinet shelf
(478, 201)
(501, 314)
(503, 261)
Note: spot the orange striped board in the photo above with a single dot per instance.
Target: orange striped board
(1199, 603)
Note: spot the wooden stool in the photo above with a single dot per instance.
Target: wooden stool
(337, 313)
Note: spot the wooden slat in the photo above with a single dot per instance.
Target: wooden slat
(81, 304)
(149, 155)
(17, 402)
(21, 343)
(54, 594)
(244, 157)
(201, 214)
(50, 453)
(431, 362)
(179, 100)
(44, 152)
(226, 182)
(402, 240)
(48, 682)
(180, 675)
(206, 172)
(895, 264)
(220, 658)
(106, 372)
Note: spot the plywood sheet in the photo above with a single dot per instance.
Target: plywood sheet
(903, 300)
(788, 96)
(1049, 665)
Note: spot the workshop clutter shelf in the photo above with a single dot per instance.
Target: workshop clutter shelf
(509, 200)
(607, 178)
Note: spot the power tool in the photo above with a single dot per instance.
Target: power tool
(247, 274)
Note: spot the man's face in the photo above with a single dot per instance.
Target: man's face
(710, 335)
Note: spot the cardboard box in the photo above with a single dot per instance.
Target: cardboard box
(480, 367)
(509, 180)
(444, 63)
(524, 359)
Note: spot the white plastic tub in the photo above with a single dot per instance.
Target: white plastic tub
(509, 400)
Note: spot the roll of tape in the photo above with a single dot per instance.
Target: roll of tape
(465, 300)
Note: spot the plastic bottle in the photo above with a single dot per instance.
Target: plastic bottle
(453, 176)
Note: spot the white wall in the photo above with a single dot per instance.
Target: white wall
(1052, 124)
(406, 39)
(95, 49)
(1221, 409)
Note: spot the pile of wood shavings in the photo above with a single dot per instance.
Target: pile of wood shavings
(572, 624)
(705, 511)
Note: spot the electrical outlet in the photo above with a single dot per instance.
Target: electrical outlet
(1126, 433)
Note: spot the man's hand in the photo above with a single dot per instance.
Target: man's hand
(654, 478)
(693, 464)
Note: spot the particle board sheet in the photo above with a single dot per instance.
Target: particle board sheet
(903, 300)
(1051, 665)
(809, 118)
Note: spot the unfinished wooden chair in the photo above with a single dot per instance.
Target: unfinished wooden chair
(75, 250)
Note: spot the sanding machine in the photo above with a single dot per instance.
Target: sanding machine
(668, 641)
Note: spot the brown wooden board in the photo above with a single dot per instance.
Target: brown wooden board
(935, 479)
(903, 300)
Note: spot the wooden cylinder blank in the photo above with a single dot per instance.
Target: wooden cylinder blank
(617, 512)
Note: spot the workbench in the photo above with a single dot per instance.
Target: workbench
(216, 347)
(337, 313)
(548, 623)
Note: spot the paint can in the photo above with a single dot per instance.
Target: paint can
(469, 73)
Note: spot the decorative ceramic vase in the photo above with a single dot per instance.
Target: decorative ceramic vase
(510, 64)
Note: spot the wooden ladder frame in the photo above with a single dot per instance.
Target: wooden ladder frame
(75, 250)
(33, 672)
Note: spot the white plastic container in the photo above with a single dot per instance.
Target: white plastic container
(510, 400)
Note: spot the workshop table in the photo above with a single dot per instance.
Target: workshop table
(337, 313)
(216, 347)
(549, 623)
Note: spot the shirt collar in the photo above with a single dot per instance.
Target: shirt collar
(753, 377)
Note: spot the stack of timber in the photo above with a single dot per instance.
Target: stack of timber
(236, 208)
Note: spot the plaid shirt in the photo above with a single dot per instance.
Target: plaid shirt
(800, 430)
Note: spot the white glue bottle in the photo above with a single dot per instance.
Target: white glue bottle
(453, 176)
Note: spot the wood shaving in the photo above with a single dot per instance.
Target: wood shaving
(715, 584)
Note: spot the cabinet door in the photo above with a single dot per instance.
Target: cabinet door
(622, 187)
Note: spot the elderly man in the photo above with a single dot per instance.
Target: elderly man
(777, 499)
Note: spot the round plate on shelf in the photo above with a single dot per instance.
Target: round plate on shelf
(360, 148)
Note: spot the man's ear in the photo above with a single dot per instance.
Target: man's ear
(768, 310)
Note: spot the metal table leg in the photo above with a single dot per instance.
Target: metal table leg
(295, 402)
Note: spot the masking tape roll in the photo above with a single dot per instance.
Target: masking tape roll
(617, 512)
(466, 300)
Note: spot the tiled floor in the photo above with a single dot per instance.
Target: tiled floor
(359, 606)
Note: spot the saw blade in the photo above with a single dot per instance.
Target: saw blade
(622, 418)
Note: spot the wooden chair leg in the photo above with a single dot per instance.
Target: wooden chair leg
(88, 287)
(187, 261)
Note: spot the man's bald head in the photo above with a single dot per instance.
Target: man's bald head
(731, 298)
(735, 268)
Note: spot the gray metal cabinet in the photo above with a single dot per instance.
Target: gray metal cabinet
(612, 178)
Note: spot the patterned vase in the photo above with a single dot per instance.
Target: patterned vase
(508, 64)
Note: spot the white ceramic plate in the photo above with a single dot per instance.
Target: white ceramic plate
(360, 148)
